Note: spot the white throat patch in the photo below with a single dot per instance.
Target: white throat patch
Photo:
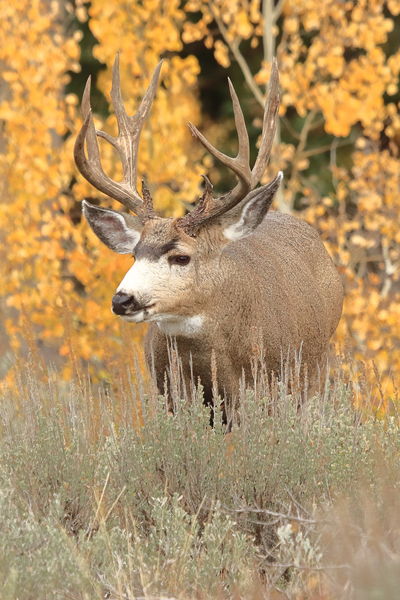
(185, 326)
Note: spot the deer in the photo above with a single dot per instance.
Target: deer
(228, 277)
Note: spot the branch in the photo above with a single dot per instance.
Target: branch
(234, 48)
(298, 155)
(290, 129)
(278, 10)
(390, 269)
(268, 38)
(326, 148)
(306, 567)
(272, 513)
(270, 14)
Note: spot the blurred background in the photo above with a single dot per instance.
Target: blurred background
(338, 144)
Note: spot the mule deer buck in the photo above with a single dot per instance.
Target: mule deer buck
(228, 277)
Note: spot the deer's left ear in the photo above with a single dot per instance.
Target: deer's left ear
(256, 206)
(119, 231)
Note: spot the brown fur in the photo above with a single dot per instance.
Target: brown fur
(276, 290)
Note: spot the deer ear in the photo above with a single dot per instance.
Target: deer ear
(120, 232)
(256, 206)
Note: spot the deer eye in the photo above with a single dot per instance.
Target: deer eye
(179, 259)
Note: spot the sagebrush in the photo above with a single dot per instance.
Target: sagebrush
(104, 494)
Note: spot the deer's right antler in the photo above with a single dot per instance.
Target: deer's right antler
(126, 143)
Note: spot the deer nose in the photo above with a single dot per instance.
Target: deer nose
(122, 303)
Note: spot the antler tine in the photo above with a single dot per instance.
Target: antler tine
(269, 126)
(91, 139)
(240, 164)
(189, 222)
(126, 143)
(243, 155)
(130, 128)
(147, 200)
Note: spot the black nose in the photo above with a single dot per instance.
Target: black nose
(123, 303)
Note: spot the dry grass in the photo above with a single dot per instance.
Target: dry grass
(105, 495)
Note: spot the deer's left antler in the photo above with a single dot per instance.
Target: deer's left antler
(209, 207)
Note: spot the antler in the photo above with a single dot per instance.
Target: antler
(126, 143)
(209, 207)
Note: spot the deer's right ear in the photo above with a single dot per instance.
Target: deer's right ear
(120, 232)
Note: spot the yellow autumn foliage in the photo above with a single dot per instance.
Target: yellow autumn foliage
(49, 262)
(339, 71)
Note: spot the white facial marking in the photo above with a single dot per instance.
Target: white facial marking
(177, 325)
(143, 277)
(149, 281)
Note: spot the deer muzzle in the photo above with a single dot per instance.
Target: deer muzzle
(126, 304)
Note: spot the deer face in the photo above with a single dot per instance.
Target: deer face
(173, 272)
(170, 266)
(159, 284)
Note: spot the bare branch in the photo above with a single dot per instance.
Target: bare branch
(234, 48)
